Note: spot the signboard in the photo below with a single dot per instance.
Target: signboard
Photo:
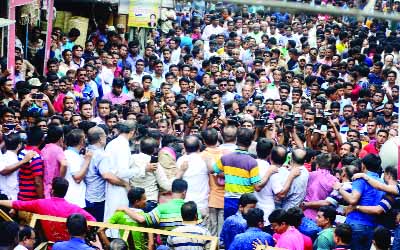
(123, 7)
(143, 13)
(167, 4)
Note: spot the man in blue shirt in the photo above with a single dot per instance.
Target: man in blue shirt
(81, 90)
(184, 85)
(375, 76)
(77, 227)
(282, 17)
(255, 223)
(236, 224)
(96, 176)
(133, 54)
(363, 194)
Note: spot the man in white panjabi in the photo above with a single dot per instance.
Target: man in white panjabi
(196, 175)
(118, 160)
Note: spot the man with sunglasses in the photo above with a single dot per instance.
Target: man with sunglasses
(223, 88)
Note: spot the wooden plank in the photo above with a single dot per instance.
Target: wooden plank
(214, 244)
(214, 240)
(125, 235)
(5, 216)
(42, 246)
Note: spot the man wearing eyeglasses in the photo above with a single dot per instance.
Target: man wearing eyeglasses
(252, 111)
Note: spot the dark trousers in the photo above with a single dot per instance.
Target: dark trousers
(361, 237)
(96, 209)
(396, 240)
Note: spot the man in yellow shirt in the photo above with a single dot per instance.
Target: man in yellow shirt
(342, 46)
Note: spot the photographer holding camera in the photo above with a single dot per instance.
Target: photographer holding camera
(293, 132)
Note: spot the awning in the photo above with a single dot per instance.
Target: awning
(5, 22)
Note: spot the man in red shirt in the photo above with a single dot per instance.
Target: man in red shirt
(55, 206)
(375, 146)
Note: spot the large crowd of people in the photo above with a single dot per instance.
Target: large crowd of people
(256, 126)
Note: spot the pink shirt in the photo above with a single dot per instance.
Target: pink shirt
(52, 155)
(324, 61)
(118, 72)
(320, 185)
(308, 244)
(292, 239)
(196, 36)
(54, 231)
(121, 99)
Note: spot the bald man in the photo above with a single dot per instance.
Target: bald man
(229, 136)
(298, 188)
(279, 183)
(97, 175)
(196, 174)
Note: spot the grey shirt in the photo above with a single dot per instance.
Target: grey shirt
(297, 190)
(95, 184)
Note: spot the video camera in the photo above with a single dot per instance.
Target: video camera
(263, 120)
(288, 121)
(158, 95)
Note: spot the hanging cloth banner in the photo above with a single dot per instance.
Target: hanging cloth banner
(143, 13)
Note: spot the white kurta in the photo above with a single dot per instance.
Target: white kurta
(117, 161)
(197, 178)
(76, 191)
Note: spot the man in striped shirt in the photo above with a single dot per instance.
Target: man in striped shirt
(189, 225)
(30, 175)
(241, 172)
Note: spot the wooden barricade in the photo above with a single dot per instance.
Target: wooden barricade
(128, 229)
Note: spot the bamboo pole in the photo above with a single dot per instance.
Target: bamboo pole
(331, 10)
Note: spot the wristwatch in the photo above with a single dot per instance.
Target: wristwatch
(357, 207)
